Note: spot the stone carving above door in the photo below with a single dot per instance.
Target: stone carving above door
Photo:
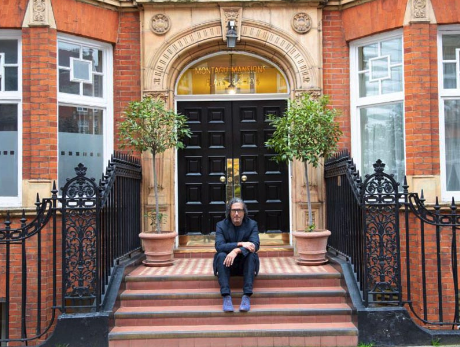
(275, 44)
(231, 14)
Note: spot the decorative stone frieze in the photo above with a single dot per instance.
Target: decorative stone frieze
(419, 9)
(301, 23)
(315, 93)
(39, 13)
(274, 42)
(160, 24)
(231, 14)
(158, 95)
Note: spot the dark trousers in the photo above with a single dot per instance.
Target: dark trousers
(242, 266)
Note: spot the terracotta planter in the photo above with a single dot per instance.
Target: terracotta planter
(311, 247)
(158, 248)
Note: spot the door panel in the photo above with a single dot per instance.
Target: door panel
(226, 157)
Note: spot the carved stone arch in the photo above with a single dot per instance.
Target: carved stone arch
(256, 37)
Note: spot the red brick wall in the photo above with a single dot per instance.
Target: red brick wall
(373, 17)
(336, 71)
(421, 99)
(127, 66)
(12, 13)
(39, 103)
(446, 11)
(77, 18)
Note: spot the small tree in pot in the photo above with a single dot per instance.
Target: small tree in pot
(307, 132)
(148, 126)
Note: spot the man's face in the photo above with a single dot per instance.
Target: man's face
(237, 214)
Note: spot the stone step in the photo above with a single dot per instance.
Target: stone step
(141, 282)
(187, 297)
(244, 335)
(213, 314)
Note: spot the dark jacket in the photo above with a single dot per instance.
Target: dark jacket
(227, 238)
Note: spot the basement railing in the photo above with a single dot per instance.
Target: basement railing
(402, 252)
(62, 259)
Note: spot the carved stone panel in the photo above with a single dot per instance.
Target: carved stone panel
(301, 23)
(231, 14)
(160, 24)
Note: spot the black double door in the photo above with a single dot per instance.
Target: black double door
(226, 157)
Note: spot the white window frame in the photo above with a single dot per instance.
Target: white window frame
(443, 95)
(357, 102)
(105, 103)
(14, 97)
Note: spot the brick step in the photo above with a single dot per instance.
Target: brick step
(212, 315)
(245, 335)
(141, 282)
(187, 297)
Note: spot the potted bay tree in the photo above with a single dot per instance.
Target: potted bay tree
(306, 132)
(147, 125)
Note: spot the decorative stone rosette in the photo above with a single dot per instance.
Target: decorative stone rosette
(160, 24)
(301, 23)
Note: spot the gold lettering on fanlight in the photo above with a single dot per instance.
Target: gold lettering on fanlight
(204, 70)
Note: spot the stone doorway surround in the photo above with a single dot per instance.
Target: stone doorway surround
(287, 34)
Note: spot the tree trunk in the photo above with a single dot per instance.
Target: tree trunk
(310, 214)
(155, 189)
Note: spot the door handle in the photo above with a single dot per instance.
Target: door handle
(222, 179)
(244, 178)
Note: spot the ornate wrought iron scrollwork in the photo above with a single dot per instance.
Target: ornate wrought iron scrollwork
(80, 208)
(380, 199)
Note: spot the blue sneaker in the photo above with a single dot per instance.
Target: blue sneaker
(245, 304)
(227, 305)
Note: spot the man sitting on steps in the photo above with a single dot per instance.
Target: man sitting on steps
(237, 243)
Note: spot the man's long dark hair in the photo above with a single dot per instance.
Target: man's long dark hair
(235, 201)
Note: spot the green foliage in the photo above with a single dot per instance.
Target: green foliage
(306, 132)
(148, 126)
(436, 342)
(365, 344)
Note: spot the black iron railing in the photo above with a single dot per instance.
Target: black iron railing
(63, 258)
(386, 233)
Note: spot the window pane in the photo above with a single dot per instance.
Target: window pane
(393, 48)
(394, 84)
(95, 56)
(10, 48)
(249, 75)
(367, 88)
(365, 53)
(65, 86)
(81, 70)
(380, 68)
(449, 44)
(450, 78)
(80, 141)
(382, 137)
(11, 78)
(452, 144)
(95, 89)
(66, 51)
(8, 150)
